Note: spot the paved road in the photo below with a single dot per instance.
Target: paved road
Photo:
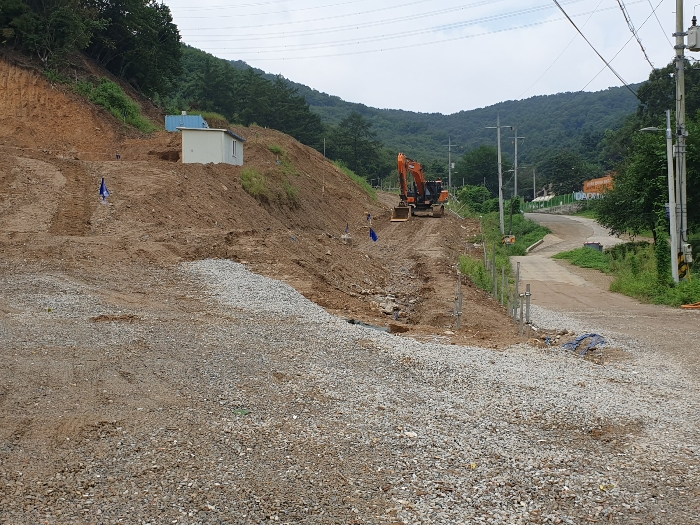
(584, 294)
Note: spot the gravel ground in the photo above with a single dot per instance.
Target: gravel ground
(230, 398)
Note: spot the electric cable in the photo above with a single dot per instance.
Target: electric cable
(335, 29)
(243, 6)
(560, 54)
(393, 48)
(628, 19)
(613, 58)
(659, 21)
(287, 23)
(594, 49)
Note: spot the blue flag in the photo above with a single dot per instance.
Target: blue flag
(104, 192)
(373, 235)
(369, 217)
(347, 227)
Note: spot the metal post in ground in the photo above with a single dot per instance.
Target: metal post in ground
(493, 269)
(522, 299)
(517, 293)
(527, 304)
(503, 285)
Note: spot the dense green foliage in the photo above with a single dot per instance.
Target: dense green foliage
(134, 39)
(526, 233)
(566, 121)
(641, 270)
(637, 202)
(243, 97)
(109, 95)
(480, 167)
(478, 199)
(354, 142)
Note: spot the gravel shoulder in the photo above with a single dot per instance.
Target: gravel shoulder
(228, 397)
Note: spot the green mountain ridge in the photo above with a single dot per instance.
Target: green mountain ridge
(548, 122)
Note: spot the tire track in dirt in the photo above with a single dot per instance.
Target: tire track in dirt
(76, 206)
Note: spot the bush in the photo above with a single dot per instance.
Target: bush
(254, 183)
(277, 150)
(112, 97)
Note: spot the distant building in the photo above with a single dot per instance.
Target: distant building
(205, 145)
(172, 122)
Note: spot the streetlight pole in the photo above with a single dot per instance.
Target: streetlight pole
(500, 171)
(672, 193)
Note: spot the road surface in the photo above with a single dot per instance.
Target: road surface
(584, 294)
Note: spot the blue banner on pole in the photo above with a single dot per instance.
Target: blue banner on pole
(373, 235)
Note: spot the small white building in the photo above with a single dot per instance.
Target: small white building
(205, 145)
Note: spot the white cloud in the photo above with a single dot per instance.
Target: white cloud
(404, 54)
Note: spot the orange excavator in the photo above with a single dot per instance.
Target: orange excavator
(423, 197)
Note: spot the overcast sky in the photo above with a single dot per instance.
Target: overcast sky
(435, 56)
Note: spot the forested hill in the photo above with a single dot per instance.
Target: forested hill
(548, 123)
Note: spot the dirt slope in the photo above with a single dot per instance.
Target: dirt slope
(55, 148)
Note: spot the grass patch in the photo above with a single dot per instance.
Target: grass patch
(112, 97)
(586, 258)
(215, 120)
(587, 212)
(254, 183)
(634, 265)
(277, 150)
(360, 180)
(291, 192)
(526, 233)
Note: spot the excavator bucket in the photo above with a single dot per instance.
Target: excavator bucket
(438, 211)
(400, 214)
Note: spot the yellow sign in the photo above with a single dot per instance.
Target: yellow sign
(508, 239)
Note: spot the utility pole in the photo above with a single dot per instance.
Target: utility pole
(449, 163)
(515, 187)
(681, 135)
(672, 212)
(500, 171)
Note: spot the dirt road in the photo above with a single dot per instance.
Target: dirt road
(584, 294)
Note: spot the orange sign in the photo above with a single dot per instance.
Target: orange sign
(598, 185)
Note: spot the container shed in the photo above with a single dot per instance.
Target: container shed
(205, 145)
(172, 122)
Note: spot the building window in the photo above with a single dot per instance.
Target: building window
(233, 146)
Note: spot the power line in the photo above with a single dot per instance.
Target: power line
(243, 6)
(614, 57)
(560, 54)
(345, 27)
(628, 19)
(653, 10)
(392, 37)
(594, 49)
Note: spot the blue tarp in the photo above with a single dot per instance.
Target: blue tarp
(596, 339)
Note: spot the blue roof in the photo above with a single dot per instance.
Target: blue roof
(172, 122)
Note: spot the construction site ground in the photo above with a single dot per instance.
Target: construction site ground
(76, 274)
